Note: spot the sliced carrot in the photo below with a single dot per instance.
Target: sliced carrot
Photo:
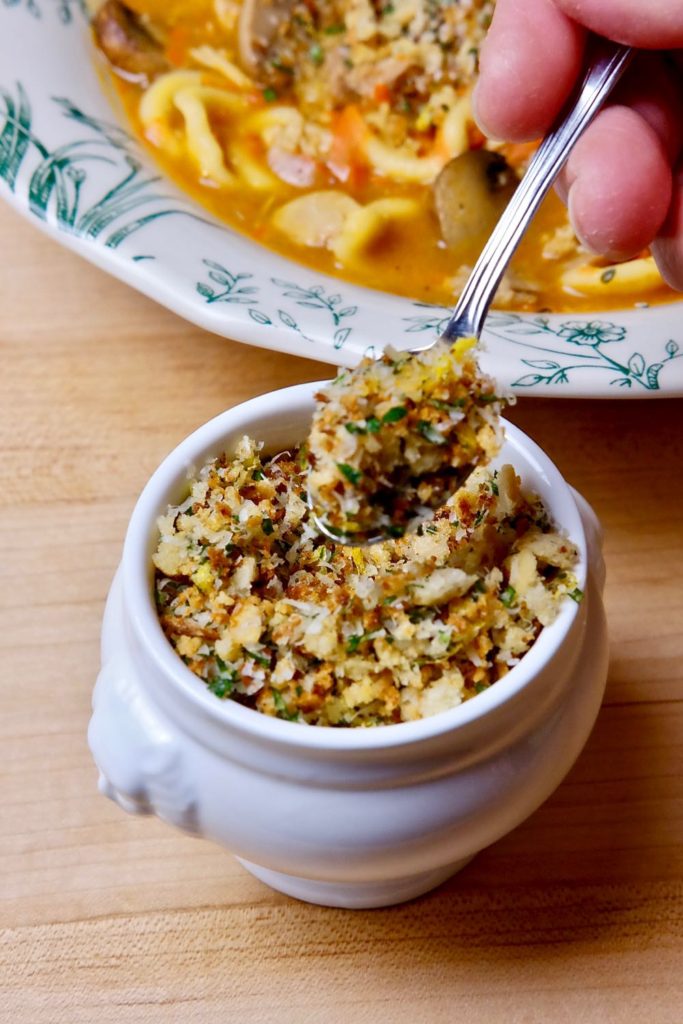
(349, 137)
(439, 146)
(177, 45)
(475, 137)
(381, 93)
(518, 153)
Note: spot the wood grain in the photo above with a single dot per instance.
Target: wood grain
(575, 917)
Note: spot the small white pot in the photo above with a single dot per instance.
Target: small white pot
(348, 817)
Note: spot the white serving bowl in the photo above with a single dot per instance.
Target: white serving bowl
(351, 818)
(68, 164)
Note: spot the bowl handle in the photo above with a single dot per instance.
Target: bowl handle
(594, 538)
(139, 760)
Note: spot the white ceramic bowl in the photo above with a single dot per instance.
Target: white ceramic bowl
(353, 818)
(67, 165)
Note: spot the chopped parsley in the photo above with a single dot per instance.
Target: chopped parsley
(353, 642)
(447, 406)
(352, 475)
(396, 413)
(223, 684)
(281, 707)
(430, 433)
(508, 596)
(267, 526)
(262, 659)
(270, 94)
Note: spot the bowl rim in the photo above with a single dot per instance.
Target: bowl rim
(140, 609)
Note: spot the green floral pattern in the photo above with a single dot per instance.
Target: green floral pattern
(232, 289)
(57, 177)
(627, 370)
(66, 10)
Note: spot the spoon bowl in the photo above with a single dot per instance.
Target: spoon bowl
(605, 67)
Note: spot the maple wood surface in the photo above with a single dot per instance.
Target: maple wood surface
(577, 916)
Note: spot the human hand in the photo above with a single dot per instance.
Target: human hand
(623, 182)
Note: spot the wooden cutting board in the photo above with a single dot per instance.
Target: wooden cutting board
(575, 917)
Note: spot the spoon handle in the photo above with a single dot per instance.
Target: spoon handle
(603, 72)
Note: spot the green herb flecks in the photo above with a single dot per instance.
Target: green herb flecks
(316, 54)
(352, 475)
(508, 596)
(281, 707)
(395, 414)
(458, 403)
(262, 659)
(430, 433)
(223, 684)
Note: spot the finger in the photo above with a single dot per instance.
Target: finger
(619, 184)
(652, 89)
(528, 65)
(655, 24)
(667, 249)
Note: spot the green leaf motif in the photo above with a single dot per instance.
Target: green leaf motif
(260, 318)
(15, 136)
(541, 364)
(528, 380)
(232, 286)
(288, 320)
(57, 178)
(317, 298)
(636, 364)
(65, 9)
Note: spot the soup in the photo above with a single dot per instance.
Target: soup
(328, 132)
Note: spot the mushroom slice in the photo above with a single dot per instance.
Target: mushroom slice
(126, 44)
(470, 194)
(259, 23)
(315, 219)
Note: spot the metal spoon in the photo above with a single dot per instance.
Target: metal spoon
(607, 64)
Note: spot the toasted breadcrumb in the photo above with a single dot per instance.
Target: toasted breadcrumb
(392, 439)
(269, 615)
